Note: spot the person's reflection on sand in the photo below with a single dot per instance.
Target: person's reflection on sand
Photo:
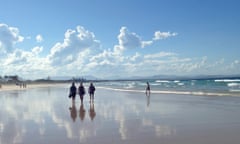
(82, 112)
(91, 111)
(148, 99)
(73, 111)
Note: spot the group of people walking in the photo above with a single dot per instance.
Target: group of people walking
(81, 91)
(91, 91)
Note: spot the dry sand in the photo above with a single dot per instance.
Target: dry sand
(46, 115)
(12, 87)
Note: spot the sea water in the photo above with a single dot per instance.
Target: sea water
(217, 87)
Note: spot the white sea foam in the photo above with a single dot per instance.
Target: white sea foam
(198, 93)
(233, 84)
(156, 84)
(227, 80)
(180, 84)
(234, 90)
(162, 81)
(130, 85)
(142, 84)
(124, 90)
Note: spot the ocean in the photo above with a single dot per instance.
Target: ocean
(208, 87)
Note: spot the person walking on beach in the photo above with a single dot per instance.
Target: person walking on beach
(91, 91)
(148, 89)
(73, 91)
(81, 91)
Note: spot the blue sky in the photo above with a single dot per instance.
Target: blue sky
(110, 38)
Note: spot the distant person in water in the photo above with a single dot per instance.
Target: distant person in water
(81, 91)
(91, 91)
(148, 89)
(73, 91)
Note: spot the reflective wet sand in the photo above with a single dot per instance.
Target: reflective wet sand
(47, 115)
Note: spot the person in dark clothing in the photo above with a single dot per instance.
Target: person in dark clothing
(73, 91)
(81, 91)
(91, 91)
(148, 89)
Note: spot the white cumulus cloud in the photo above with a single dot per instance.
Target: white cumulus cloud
(39, 38)
(75, 42)
(130, 40)
(159, 55)
(9, 36)
(81, 53)
(25, 63)
(163, 35)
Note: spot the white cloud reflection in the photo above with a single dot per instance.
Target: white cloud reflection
(45, 113)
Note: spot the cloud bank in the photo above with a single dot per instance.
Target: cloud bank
(81, 53)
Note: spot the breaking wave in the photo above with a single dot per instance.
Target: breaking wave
(227, 80)
(197, 93)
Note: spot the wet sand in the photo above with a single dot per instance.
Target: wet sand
(46, 115)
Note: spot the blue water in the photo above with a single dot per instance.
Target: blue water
(218, 87)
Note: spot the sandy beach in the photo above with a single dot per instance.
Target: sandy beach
(44, 114)
(13, 87)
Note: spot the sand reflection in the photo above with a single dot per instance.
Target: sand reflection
(42, 115)
(46, 115)
(73, 111)
(82, 112)
(91, 111)
(148, 99)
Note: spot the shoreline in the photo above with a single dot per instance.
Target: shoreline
(193, 93)
(14, 87)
